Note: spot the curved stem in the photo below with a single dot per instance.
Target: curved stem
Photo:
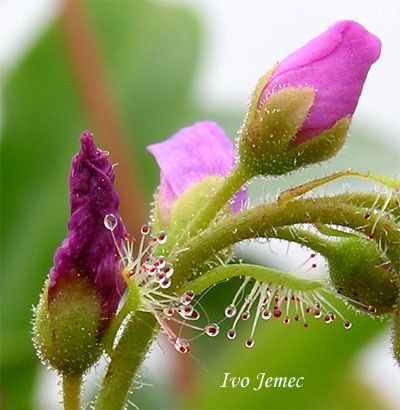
(126, 360)
(371, 200)
(261, 221)
(71, 384)
(302, 189)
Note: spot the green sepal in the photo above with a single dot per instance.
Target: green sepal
(67, 325)
(323, 146)
(318, 149)
(360, 272)
(184, 211)
(257, 94)
(265, 139)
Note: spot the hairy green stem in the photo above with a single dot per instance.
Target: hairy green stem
(108, 338)
(302, 189)
(71, 385)
(262, 220)
(126, 360)
(370, 200)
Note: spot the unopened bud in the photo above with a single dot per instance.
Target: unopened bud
(67, 324)
(300, 112)
(360, 273)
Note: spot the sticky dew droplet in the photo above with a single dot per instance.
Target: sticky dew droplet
(110, 222)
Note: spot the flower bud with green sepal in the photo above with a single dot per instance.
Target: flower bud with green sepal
(67, 323)
(85, 284)
(358, 270)
(301, 111)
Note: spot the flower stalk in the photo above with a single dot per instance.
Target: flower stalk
(71, 384)
(126, 359)
(262, 220)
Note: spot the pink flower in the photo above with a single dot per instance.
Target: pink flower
(190, 155)
(335, 64)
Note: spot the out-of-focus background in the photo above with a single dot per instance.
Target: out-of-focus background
(134, 72)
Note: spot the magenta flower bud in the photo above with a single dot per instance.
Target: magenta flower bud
(85, 284)
(301, 110)
(89, 249)
(194, 153)
(335, 64)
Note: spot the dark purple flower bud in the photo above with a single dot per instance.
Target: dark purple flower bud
(89, 249)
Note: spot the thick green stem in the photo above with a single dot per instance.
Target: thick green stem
(232, 183)
(126, 360)
(262, 220)
(131, 304)
(71, 384)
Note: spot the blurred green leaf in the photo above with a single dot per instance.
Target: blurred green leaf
(150, 52)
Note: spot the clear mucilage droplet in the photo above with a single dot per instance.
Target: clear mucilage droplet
(231, 334)
(249, 342)
(211, 330)
(110, 222)
(230, 311)
(182, 345)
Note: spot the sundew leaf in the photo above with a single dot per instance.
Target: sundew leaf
(44, 115)
(152, 52)
(322, 354)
